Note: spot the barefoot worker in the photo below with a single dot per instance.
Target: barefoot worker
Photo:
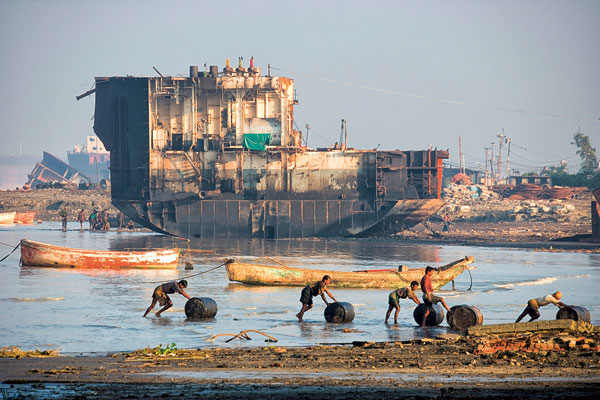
(396, 295)
(428, 297)
(533, 305)
(160, 295)
(310, 291)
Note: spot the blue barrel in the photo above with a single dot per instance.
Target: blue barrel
(435, 317)
(576, 313)
(463, 317)
(200, 308)
(339, 312)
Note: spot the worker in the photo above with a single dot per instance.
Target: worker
(533, 305)
(63, 216)
(161, 293)
(428, 297)
(401, 293)
(312, 290)
(81, 219)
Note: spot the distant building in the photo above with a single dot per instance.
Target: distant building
(534, 180)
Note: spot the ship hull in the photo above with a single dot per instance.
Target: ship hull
(278, 219)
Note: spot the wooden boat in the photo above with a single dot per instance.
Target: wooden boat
(25, 217)
(45, 255)
(256, 274)
(7, 217)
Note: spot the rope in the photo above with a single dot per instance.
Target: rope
(228, 261)
(242, 334)
(471, 285)
(13, 250)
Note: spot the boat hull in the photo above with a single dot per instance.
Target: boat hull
(7, 217)
(44, 255)
(25, 217)
(255, 274)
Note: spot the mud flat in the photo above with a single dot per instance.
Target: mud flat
(532, 364)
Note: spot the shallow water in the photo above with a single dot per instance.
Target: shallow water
(78, 311)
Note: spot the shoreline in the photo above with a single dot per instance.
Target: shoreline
(450, 366)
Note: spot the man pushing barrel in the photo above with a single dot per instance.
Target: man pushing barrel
(428, 297)
(402, 293)
(161, 292)
(533, 305)
(312, 290)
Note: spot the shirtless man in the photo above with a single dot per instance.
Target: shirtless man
(428, 297)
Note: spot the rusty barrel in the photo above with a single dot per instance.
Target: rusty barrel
(339, 312)
(463, 316)
(576, 313)
(200, 308)
(435, 317)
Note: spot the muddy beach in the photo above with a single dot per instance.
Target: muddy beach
(450, 366)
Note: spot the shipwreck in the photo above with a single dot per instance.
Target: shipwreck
(215, 154)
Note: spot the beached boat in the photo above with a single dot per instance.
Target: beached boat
(45, 255)
(256, 274)
(25, 217)
(7, 217)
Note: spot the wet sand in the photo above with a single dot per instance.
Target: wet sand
(417, 369)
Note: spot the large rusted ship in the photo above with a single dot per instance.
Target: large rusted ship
(215, 154)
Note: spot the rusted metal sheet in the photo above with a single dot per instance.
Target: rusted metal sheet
(256, 274)
(45, 255)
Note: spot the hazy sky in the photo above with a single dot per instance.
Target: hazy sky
(404, 74)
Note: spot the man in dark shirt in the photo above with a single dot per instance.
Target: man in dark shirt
(310, 291)
(161, 292)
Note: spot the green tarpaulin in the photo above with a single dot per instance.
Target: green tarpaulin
(256, 141)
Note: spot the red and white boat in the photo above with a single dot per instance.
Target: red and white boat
(46, 255)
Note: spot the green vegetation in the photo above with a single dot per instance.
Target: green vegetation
(161, 351)
(588, 175)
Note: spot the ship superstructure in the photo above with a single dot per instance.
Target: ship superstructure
(215, 154)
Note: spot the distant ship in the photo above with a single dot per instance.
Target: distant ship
(92, 159)
(215, 154)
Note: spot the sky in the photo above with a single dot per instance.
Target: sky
(406, 75)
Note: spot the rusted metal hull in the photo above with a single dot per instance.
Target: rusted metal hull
(255, 274)
(218, 155)
(25, 217)
(7, 217)
(279, 219)
(45, 255)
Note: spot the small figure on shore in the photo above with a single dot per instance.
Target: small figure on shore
(121, 218)
(312, 290)
(63, 216)
(396, 295)
(92, 219)
(81, 219)
(130, 225)
(447, 221)
(428, 297)
(161, 293)
(533, 305)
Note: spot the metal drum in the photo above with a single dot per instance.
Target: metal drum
(576, 313)
(200, 308)
(339, 312)
(435, 317)
(463, 316)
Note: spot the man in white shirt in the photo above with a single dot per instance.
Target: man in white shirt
(533, 305)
